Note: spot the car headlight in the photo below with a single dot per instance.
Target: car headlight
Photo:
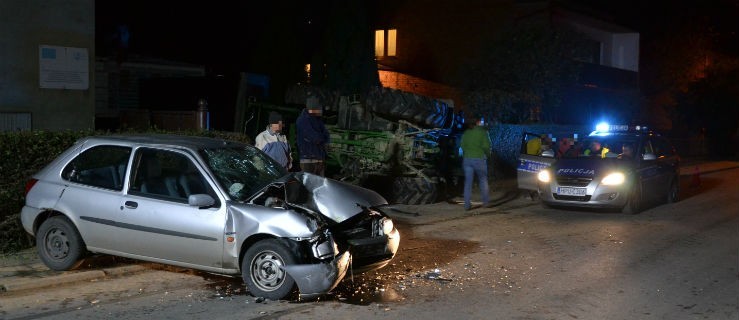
(613, 179)
(387, 226)
(544, 176)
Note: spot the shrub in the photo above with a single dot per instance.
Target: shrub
(23, 153)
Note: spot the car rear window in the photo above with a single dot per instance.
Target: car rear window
(99, 166)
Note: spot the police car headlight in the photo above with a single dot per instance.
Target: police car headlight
(544, 176)
(613, 179)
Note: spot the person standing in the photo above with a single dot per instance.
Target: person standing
(475, 152)
(273, 142)
(313, 138)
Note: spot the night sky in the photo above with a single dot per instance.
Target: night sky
(218, 33)
(223, 34)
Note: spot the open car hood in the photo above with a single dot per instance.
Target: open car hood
(334, 199)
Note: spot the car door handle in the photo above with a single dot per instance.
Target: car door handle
(131, 205)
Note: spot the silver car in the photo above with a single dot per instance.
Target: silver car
(209, 204)
(630, 171)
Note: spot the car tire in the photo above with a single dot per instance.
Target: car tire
(59, 244)
(263, 270)
(673, 193)
(634, 203)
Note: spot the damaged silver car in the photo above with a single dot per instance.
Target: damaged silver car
(209, 204)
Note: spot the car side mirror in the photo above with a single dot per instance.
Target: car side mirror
(200, 200)
(548, 153)
(649, 156)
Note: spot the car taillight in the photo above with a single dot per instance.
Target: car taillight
(30, 185)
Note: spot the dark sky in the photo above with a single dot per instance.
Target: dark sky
(216, 32)
(226, 32)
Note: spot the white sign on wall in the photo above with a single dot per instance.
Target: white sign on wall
(64, 68)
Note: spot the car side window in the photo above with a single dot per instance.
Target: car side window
(662, 148)
(166, 175)
(647, 148)
(99, 166)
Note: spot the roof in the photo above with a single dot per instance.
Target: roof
(191, 142)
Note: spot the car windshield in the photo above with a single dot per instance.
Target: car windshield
(621, 147)
(242, 171)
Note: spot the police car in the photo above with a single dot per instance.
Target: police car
(627, 168)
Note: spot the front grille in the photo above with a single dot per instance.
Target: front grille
(571, 198)
(573, 181)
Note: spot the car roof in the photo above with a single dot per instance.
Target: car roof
(634, 134)
(191, 142)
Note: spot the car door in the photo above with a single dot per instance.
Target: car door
(93, 191)
(649, 172)
(531, 162)
(155, 218)
(667, 166)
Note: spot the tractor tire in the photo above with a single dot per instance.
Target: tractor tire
(414, 191)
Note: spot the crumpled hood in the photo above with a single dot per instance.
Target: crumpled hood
(585, 167)
(337, 200)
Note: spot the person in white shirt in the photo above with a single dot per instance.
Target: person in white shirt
(273, 142)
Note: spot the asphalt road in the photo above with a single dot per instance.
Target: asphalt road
(516, 260)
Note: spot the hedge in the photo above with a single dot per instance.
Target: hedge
(23, 153)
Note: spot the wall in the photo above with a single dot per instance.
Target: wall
(419, 86)
(24, 26)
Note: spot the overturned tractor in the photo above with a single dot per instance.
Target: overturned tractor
(390, 137)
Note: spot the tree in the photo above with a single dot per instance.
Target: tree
(526, 69)
(710, 105)
(344, 61)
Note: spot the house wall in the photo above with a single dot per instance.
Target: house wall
(408, 83)
(26, 25)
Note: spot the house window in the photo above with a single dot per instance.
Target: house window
(392, 36)
(379, 43)
(383, 48)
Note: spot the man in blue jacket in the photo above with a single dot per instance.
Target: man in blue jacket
(313, 138)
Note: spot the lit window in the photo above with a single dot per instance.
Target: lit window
(379, 43)
(392, 35)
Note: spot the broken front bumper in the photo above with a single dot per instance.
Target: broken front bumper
(314, 280)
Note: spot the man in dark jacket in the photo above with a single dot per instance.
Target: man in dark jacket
(312, 138)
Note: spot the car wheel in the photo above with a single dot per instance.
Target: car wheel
(263, 270)
(673, 194)
(59, 245)
(634, 203)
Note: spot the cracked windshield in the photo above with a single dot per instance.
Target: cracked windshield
(242, 171)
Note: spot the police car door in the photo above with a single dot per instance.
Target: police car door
(529, 165)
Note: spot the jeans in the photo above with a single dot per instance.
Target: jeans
(317, 168)
(478, 167)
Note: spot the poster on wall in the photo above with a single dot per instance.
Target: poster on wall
(64, 68)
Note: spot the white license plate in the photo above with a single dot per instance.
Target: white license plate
(567, 191)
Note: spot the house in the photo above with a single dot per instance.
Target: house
(423, 48)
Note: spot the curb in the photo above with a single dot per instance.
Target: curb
(719, 166)
(28, 283)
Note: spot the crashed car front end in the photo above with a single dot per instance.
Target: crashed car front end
(329, 226)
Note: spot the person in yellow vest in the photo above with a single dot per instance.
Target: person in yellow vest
(533, 146)
(593, 149)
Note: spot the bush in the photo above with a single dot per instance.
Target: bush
(23, 153)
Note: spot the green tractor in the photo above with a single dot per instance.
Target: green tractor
(391, 137)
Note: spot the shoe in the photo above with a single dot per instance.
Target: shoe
(467, 208)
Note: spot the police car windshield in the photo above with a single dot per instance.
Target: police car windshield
(601, 147)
